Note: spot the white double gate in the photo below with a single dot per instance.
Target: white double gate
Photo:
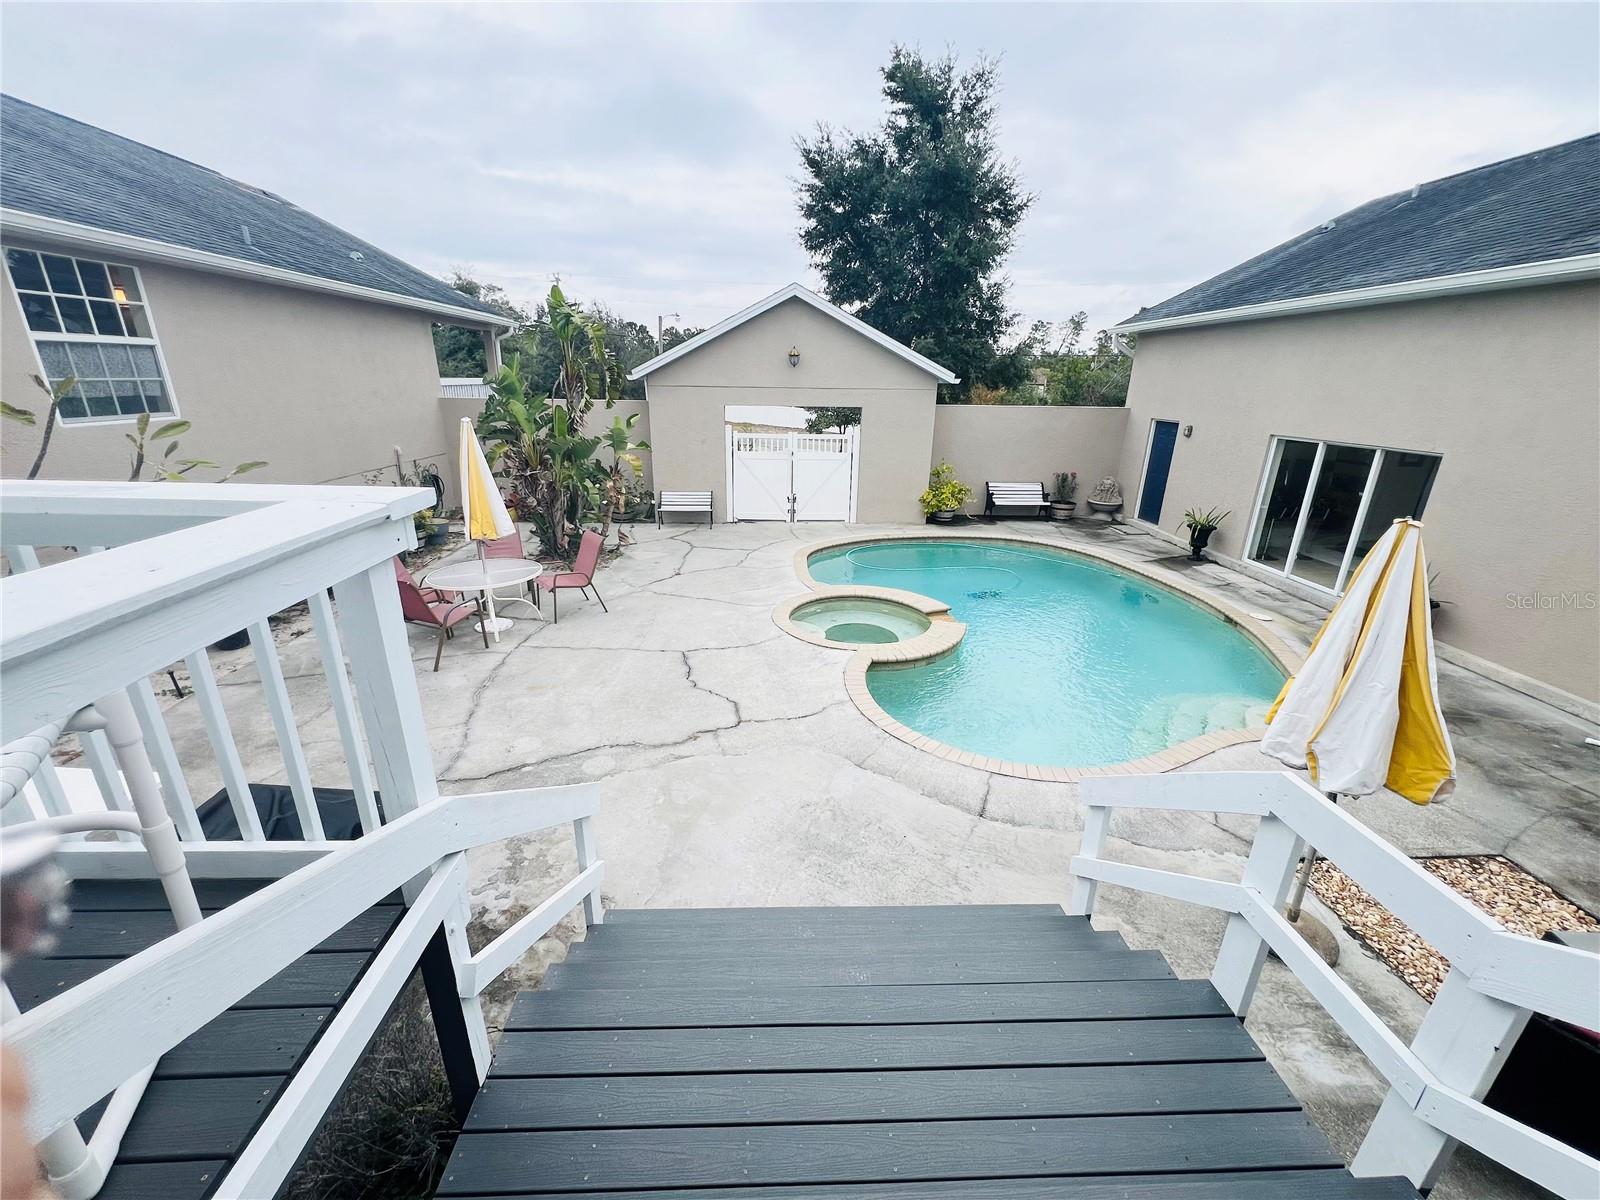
(793, 476)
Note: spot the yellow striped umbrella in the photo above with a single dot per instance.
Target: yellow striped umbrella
(1364, 712)
(483, 511)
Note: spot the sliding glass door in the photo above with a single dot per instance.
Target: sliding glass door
(1324, 504)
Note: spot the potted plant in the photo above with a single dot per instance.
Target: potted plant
(431, 530)
(1062, 504)
(1201, 525)
(945, 494)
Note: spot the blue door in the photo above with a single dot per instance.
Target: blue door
(1162, 439)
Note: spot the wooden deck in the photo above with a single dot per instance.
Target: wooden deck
(1003, 1052)
(210, 1092)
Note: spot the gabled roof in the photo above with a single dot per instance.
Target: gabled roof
(795, 292)
(1530, 219)
(68, 181)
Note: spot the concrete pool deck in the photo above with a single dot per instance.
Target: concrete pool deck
(736, 771)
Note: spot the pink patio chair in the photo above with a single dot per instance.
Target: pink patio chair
(438, 614)
(511, 546)
(581, 576)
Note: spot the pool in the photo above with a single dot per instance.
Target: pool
(1066, 661)
(861, 620)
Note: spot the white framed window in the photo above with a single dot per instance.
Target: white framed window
(1322, 505)
(90, 321)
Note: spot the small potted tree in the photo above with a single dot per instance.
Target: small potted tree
(1201, 525)
(945, 494)
(1062, 504)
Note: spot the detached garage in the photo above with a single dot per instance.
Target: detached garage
(794, 350)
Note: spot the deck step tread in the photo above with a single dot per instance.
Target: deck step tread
(950, 917)
(193, 1118)
(1316, 1184)
(890, 966)
(110, 934)
(631, 943)
(187, 1180)
(313, 980)
(639, 1101)
(260, 1041)
(876, 1047)
(594, 1159)
(950, 1003)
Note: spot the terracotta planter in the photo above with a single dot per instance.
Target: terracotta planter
(1062, 511)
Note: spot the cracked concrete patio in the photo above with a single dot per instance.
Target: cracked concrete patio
(735, 771)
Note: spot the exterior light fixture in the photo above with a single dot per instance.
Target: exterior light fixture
(1188, 431)
(794, 356)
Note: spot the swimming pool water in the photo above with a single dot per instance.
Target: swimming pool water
(1066, 662)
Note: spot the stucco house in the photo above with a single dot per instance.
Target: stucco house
(1433, 353)
(168, 288)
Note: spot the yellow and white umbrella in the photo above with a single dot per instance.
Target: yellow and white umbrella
(483, 509)
(1363, 712)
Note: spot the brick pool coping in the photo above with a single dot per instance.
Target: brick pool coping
(944, 634)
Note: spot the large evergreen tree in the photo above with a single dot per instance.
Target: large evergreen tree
(910, 224)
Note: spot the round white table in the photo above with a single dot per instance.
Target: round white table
(484, 575)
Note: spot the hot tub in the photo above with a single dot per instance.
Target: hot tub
(861, 620)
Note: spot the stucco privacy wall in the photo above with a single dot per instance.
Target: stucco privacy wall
(837, 367)
(323, 388)
(1016, 443)
(1505, 385)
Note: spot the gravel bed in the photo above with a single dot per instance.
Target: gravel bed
(1516, 899)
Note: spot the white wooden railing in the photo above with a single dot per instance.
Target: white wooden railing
(154, 574)
(1496, 978)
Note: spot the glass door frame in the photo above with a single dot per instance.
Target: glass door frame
(1257, 513)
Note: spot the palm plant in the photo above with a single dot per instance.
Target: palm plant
(624, 452)
(586, 372)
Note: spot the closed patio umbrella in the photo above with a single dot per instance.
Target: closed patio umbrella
(483, 509)
(1363, 712)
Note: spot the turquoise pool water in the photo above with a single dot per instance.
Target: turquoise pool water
(1066, 662)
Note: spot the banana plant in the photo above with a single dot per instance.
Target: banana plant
(624, 452)
(587, 371)
(169, 467)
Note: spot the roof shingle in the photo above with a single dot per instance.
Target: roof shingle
(56, 167)
(1536, 207)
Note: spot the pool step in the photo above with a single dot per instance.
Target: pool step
(1175, 719)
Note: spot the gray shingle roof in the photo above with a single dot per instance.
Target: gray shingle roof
(53, 166)
(1533, 208)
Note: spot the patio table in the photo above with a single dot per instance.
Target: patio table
(484, 575)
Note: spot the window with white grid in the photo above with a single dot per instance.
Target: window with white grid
(90, 323)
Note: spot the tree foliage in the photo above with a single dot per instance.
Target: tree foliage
(910, 224)
(831, 420)
(531, 342)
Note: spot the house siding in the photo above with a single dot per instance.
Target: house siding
(320, 386)
(1505, 386)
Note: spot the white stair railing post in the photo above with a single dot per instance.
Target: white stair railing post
(1268, 872)
(588, 855)
(1096, 825)
(1464, 1040)
(386, 689)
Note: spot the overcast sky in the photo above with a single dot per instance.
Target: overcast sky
(645, 153)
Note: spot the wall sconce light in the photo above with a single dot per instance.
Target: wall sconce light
(1188, 431)
(794, 356)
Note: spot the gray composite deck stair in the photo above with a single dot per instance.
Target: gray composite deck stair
(212, 1090)
(1007, 1052)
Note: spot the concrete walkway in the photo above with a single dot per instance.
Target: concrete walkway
(735, 771)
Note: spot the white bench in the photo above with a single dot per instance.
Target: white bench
(695, 502)
(1019, 495)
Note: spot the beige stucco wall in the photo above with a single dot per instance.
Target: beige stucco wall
(1016, 443)
(322, 387)
(838, 367)
(1504, 385)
